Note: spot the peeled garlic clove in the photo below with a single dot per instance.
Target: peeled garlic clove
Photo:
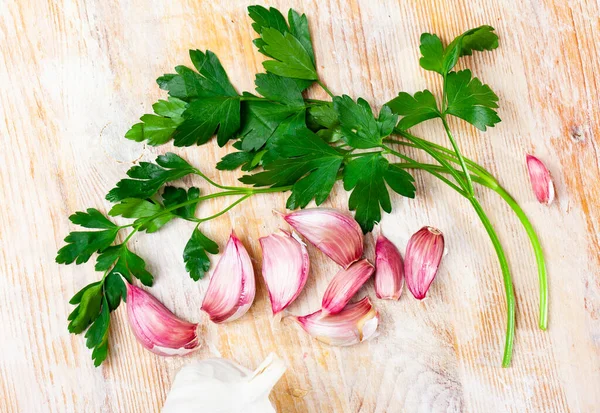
(423, 255)
(389, 272)
(541, 181)
(355, 323)
(344, 285)
(284, 269)
(157, 328)
(232, 287)
(337, 234)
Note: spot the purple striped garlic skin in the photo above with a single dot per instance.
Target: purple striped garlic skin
(541, 180)
(285, 268)
(156, 327)
(344, 285)
(389, 270)
(232, 286)
(335, 233)
(423, 255)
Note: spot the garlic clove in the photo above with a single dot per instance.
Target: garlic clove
(423, 255)
(335, 233)
(541, 180)
(357, 322)
(157, 328)
(285, 268)
(389, 272)
(344, 285)
(232, 286)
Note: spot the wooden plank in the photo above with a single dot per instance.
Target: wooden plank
(76, 74)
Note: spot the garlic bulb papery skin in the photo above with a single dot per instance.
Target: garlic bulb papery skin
(285, 268)
(335, 233)
(357, 322)
(157, 328)
(423, 255)
(344, 285)
(222, 386)
(232, 286)
(389, 270)
(541, 181)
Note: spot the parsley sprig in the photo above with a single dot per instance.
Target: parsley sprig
(286, 142)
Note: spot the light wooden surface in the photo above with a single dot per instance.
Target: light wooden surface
(75, 74)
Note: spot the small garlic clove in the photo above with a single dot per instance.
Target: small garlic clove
(357, 322)
(232, 286)
(389, 272)
(335, 233)
(423, 255)
(157, 328)
(541, 181)
(344, 285)
(285, 268)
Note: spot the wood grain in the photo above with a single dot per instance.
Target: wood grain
(75, 74)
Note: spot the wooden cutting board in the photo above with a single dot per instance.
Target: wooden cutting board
(76, 74)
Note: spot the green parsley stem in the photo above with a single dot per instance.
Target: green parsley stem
(484, 177)
(325, 88)
(213, 183)
(469, 188)
(218, 214)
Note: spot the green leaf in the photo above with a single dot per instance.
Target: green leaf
(149, 177)
(264, 18)
(359, 126)
(305, 161)
(92, 218)
(366, 176)
(114, 290)
(195, 255)
(291, 58)
(234, 160)
(124, 263)
(158, 129)
(81, 245)
(471, 100)
(173, 196)
(441, 60)
(205, 117)
(415, 109)
(263, 119)
(279, 89)
(299, 29)
(135, 208)
(90, 301)
(324, 115)
(400, 181)
(97, 335)
(432, 53)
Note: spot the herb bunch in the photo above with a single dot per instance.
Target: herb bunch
(283, 141)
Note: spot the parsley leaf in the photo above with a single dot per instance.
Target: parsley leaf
(264, 119)
(148, 178)
(214, 104)
(279, 89)
(89, 301)
(124, 263)
(414, 109)
(195, 255)
(97, 335)
(471, 100)
(82, 244)
(173, 196)
(114, 290)
(366, 176)
(359, 126)
(441, 60)
(305, 161)
(290, 46)
(234, 160)
(158, 129)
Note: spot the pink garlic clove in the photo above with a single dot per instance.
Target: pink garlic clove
(344, 285)
(389, 273)
(541, 181)
(423, 255)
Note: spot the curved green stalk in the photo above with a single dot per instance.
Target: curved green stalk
(469, 183)
(484, 177)
(508, 286)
